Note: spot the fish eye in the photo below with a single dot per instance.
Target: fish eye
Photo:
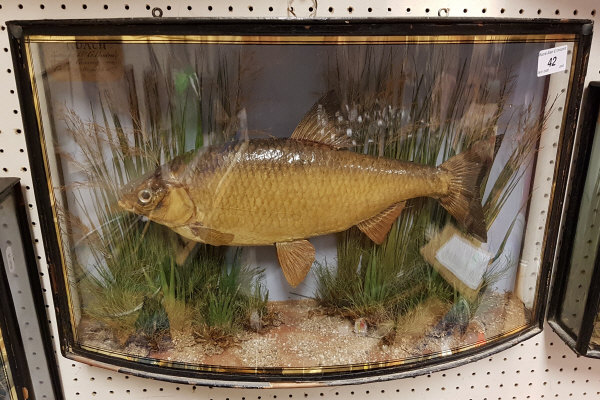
(144, 196)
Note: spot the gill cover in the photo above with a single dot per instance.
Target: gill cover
(176, 208)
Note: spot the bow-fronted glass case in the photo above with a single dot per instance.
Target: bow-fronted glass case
(576, 294)
(326, 201)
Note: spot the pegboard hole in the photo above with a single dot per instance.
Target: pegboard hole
(250, 8)
(593, 13)
(521, 11)
(330, 9)
(557, 12)
(270, 9)
(484, 10)
(350, 9)
(408, 10)
(42, 6)
(106, 6)
(20, 6)
(209, 8)
(502, 11)
(84, 6)
(369, 9)
(575, 12)
(127, 6)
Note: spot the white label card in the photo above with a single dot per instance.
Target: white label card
(552, 60)
(465, 261)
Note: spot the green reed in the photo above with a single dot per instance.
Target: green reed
(138, 126)
(228, 300)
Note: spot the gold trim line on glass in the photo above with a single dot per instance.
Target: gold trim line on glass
(307, 39)
(38, 116)
(283, 371)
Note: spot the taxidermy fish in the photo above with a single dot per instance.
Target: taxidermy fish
(282, 191)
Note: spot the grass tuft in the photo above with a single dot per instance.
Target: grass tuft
(396, 111)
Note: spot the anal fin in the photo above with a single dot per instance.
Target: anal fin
(295, 259)
(377, 227)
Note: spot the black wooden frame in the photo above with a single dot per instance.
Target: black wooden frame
(590, 114)
(19, 30)
(8, 316)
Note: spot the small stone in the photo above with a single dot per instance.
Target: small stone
(255, 321)
(360, 327)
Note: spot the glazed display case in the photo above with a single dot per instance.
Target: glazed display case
(573, 312)
(15, 381)
(242, 203)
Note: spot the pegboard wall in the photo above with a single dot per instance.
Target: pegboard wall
(540, 367)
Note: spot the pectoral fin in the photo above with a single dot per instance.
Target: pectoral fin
(295, 259)
(211, 236)
(377, 227)
(184, 252)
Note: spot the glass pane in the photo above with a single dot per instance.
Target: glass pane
(8, 390)
(261, 202)
(15, 262)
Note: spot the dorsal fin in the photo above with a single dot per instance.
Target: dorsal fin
(319, 124)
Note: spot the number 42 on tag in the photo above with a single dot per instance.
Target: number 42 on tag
(552, 60)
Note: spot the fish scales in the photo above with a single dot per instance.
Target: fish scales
(274, 190)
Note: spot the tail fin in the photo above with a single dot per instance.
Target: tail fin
(463, 200)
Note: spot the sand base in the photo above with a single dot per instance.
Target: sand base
(307, 338)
